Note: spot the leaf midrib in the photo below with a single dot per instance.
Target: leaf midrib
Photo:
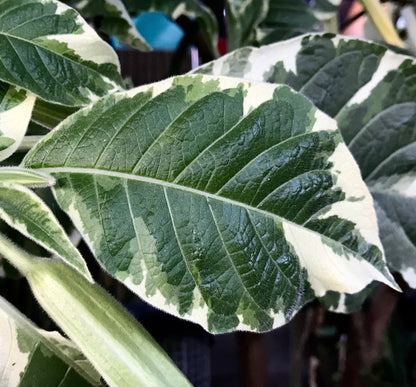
(166, 184)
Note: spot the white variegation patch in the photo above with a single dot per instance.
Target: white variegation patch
(390, 61)
(405, 185)
(409, 275)
(327, 269)
(323, 121)
(13, 360)
(14, 122)
(88, 45)
(341, 307)
(355, 190)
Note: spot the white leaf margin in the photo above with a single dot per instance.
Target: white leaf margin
(14, 121)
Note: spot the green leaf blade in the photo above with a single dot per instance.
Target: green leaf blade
(371, 92)
(47, 48)
(196, 215)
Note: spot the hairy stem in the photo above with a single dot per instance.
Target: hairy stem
(16, 256)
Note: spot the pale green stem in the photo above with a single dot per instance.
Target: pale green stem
(29, 142)
(16, 256)
(331, 25)
(382, 22)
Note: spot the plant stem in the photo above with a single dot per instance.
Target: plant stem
(16, 256)
(382, 22)
(28, 143)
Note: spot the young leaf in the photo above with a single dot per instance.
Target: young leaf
(21, 209)
(15, 110)
(117, 346)
(47, 48)
(28, 354)
(371, 92)
(226, 202)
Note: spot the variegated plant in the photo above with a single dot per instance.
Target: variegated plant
(225, 202)
(222, 200)
(371, 92)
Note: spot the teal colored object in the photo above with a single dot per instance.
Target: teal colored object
(160, 32)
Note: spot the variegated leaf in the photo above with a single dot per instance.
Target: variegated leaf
(26, 177)
(193, 9)
(21, 209)
(371, 92)
(226, 202)
(47, 48)
(30, 356)
(15, 110)
(116, 21)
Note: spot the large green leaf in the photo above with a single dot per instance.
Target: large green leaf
(118, 347)
(371, 92)
(30, 356)
(15, 110)
(225, 202)
(21, 209)
(47, 48)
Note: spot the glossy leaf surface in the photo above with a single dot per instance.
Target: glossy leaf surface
(15, 110)
(225, 202)
(371, 92)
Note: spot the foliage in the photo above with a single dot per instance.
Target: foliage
(229, 198)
